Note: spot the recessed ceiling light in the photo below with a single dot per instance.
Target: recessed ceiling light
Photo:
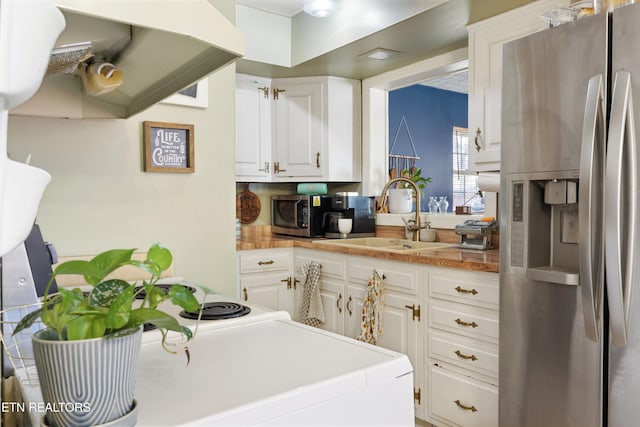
(380, 54)
(320, 8)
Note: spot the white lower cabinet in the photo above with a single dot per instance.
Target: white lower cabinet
(445, 320)
(402, 310)
(461, 348)
(461, 400)
(466, 320)
(344, 284)
(457, 352)
(266, 278)
(333, 290)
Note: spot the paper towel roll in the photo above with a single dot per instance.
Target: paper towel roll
(489, 181)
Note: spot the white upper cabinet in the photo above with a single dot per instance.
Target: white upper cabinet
(253, 127)
(298, 129)
(485, 76)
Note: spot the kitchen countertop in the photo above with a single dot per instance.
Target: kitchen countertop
(452, 257)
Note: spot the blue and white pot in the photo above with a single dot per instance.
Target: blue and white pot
(87, 382)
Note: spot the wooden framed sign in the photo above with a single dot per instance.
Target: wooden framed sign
(168, 147)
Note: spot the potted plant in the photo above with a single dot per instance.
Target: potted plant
(402, 198)
(415, 175)
(86, 357)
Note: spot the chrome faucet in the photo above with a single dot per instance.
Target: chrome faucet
(415, 228)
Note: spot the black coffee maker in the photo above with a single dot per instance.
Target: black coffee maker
(361, 211)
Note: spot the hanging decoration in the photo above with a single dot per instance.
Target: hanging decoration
(400, 162)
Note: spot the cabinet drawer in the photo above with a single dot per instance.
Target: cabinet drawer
(402, 277)
(474, 322)
(464, 352)
(460, 400)
(264, 261)
(478, 288)
(331, 268)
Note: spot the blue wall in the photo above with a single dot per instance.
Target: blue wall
(430, 115)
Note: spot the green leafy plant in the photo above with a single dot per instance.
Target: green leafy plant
(415, 176)
(108, 309)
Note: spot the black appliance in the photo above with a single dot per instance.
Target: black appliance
(360, 209)
(298, 214)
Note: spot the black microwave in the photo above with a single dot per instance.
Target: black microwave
(298, 214)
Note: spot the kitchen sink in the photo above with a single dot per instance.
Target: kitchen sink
(385, 244)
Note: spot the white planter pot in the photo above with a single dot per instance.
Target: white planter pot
(400, 200)
(90, 382)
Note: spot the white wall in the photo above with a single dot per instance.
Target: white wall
(267, 35)
(99, 197)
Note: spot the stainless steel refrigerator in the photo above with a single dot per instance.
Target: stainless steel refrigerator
(569, 355)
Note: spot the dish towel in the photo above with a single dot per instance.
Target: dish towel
(372, 310)
(311, 311)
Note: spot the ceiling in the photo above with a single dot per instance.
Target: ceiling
(287, 8)
(457, 82)
(438, 30)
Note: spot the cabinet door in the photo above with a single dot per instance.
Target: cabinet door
(485, 76)
(334, 305)
(400, 330)
(400, 327)
(401, 334)
(268, 290)
(253, 129)
(299, 129)
(354, 301)
(332, 286)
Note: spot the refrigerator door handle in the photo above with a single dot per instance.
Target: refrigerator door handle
(591, 245)
(621, 210)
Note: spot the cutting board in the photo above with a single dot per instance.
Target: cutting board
(247, 206)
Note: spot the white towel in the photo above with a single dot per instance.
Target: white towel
(312, 311)
(372, 310)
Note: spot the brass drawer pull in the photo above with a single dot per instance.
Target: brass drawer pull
(466, 408)
(339, 303)
(266, 262)
(295, 283)
(462, 323)
(465, 291)
(349, 305)
(245, 294)
(458, 353)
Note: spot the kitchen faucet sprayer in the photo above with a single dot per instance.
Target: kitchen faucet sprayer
(416, 227)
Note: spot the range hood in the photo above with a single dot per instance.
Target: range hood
(160, 47)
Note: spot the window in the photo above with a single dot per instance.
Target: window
(465, 183)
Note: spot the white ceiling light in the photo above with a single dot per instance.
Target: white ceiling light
(320, 8)
(380, 54)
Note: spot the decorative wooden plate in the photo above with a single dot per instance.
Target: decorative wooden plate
(247, 206)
